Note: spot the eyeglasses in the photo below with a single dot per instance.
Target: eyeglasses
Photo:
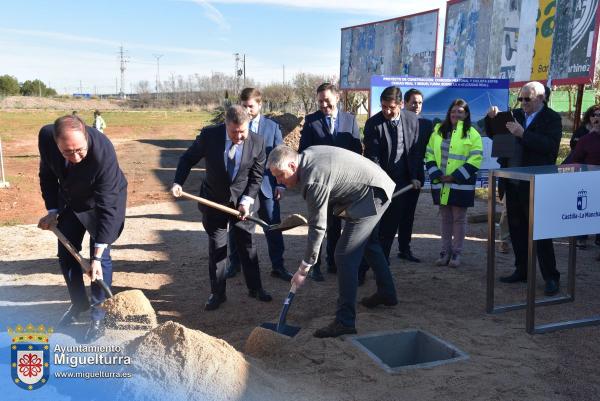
(524, 99)
(80, 152)
(596, 115)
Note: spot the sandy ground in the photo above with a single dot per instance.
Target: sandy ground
(163, 252)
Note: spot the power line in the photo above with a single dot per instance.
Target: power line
(157, 56)
(123, 60)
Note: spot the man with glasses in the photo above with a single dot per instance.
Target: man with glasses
(537, 130)
(84, 190)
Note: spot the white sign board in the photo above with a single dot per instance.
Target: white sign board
(566, 205)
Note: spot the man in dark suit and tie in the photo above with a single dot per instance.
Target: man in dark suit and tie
(537, 130)
(391, 139)
(333, 127)
(413, 101)
(270, 192)
(84, 190)
(234, 160)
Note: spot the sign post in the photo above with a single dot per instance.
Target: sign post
(3, 182)
(561, 204)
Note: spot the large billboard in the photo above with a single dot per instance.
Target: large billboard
(399, 46)
(522, 40)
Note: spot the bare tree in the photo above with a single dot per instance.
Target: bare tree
(278, 97)
(356, 100)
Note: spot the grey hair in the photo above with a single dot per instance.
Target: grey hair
(536, 88)
(236, 114)
(281, 156)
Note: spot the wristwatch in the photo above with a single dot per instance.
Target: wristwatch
(97, 258)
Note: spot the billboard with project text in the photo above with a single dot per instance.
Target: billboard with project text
(439, 93)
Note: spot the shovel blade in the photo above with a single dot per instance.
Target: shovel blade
(292, 221)
(284, 329)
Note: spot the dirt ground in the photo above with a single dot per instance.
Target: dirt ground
(163, 252)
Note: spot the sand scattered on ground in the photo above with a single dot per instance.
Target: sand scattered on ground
(130, 306)
(264, 342)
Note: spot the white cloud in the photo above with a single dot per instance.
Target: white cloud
(109, 43)
(212, 13)
(392, 8)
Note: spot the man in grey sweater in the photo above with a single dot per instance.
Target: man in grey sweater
(359, 191)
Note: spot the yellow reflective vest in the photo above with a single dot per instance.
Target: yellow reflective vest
(462, 161)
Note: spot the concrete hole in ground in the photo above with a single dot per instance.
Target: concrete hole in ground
(407, 349)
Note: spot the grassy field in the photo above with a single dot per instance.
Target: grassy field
(18, 125)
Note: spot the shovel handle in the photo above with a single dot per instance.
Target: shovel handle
(403, 190)
(82, 262)
(223, 208)
(212, 204)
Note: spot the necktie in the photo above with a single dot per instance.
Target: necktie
(231, 160)
(328, 119)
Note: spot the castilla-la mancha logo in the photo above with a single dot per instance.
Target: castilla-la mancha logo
(30, 355)
(582, 200)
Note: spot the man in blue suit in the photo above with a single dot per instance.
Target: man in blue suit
(270, 192)
(333, 127)
(84, 190)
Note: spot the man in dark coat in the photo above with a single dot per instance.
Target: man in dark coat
(333, 127)
(84, 190)
(538, 130)
(235, 162)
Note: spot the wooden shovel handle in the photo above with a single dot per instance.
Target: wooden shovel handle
(212, 204)
(82, 262)
(67, 244)
(225, 209)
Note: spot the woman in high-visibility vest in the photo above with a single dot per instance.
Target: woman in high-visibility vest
(452, 158)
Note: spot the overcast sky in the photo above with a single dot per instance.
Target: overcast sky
(71, 43)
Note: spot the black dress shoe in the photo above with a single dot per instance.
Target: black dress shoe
(334, 329)
(282, 274)
(94, 332)
(513, 278)
(260, 294)
(552, 287)
(376, 300)
(69, 317)
(407, 255)
(214, 301)
(315, 274)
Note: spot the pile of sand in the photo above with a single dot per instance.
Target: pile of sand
(264, 342)
(175, 362)
(130, 306)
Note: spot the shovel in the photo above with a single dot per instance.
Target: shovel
(82, 262)
(281, 327)
(292, 221)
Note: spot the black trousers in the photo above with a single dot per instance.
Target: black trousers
(399, 218)
(215, 223)
(517, 211)
(71, 227)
